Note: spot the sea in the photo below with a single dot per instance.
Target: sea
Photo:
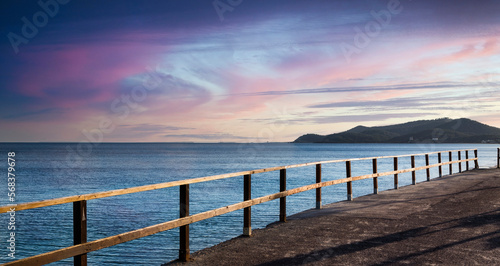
(53, 170)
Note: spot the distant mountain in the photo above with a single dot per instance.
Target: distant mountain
(444, 130)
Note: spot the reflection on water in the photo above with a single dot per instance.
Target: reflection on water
(43, 172)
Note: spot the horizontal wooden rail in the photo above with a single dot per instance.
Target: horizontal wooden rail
(124, 191)
(147, 231)
(81, 247)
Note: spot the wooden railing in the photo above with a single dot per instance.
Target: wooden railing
(81, 247)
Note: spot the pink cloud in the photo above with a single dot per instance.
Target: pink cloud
(490, 47)
(492, 119)
(470, 49)
(76, 75)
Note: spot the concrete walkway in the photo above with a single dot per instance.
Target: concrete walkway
(454, 220)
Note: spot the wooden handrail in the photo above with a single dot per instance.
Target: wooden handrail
(81, 247)
(117, 192)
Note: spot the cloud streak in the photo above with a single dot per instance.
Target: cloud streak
(422, 86)
(211, 137)
(332, 120)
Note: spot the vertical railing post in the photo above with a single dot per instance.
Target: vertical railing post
(440, 166)
(413, 173)
(349, 184)
(375, 179)
(451, 167)
(318, 190)
(460, 163)
(184, 253)
(476, 163)
(283, 199)
(80, 229)
(396, 186)
(467, 157)
(498, 157)
(428, 170)
(247, 212)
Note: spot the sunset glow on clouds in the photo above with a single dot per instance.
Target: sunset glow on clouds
(174, 70)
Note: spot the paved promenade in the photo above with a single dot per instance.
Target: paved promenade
(453, 220)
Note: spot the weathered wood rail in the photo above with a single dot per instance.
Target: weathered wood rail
(81, 247)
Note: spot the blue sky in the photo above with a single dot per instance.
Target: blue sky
(246, 71)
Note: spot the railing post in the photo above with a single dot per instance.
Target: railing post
(283, 199)
(184, 230)
(349, 184)
(467, 157)
(460, 163)
(498, 157)
(428, 170)
(247, 212)
(375, 179)
(80, 229)
(318, 190)
(440, 166)
(451, 167)
(396, 175)
(413, 173)
(476, 163)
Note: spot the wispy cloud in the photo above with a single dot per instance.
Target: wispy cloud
(334, 119)
(421, 86)
(402, 102)
(211, 137)
(153, 128)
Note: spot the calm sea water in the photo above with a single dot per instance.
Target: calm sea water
(49, 170)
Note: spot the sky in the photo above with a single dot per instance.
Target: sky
(241, 70)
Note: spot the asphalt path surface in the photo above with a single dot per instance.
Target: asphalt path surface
(452, 220)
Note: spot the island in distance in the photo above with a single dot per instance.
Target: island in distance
(443, 130)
